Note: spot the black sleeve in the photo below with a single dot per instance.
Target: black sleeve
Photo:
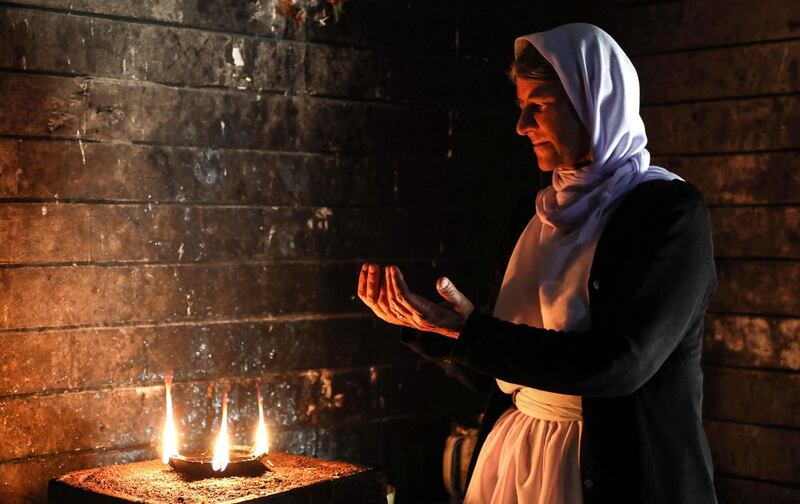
(655, 298)
(438, 348)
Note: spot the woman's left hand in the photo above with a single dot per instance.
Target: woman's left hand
(385, 291)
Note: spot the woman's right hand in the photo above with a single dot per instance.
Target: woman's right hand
(372, 290)
(385, 291)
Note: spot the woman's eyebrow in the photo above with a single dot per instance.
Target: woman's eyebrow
(531, 97)
(537, 94)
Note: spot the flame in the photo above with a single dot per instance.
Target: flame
(169, 438)
(221, 447)
(262, 439)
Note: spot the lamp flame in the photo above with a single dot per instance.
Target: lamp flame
(262, 439)
(169, 438)
(221, 447)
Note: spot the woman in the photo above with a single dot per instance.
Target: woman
(592, 352)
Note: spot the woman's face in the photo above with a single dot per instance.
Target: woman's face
(548, 119)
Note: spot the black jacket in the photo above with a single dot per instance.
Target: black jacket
(638, 369)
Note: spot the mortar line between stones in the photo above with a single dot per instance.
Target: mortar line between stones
(752, 424)
(747, 258)
(753, 368)
(425, 415)
(390, 157)
(212, 88)
(660, 155)
(318, 261)
(146, 324)
(715, 99)
(656, 156)
(771, 260)
(122, 202)
(431, 157)
(714, 47)
(350, 99)
(759, 480)
(86, 451)
(755, 205)
(198, 204)
(775, 316)
(223, 378)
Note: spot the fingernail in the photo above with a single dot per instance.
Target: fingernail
(373, 268)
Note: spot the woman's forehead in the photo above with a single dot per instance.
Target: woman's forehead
(528, 89)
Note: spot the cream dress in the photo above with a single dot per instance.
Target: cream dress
(532, 454)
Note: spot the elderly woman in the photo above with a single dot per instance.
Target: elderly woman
(591, 356)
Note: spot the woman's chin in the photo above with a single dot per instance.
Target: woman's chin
(546, 165)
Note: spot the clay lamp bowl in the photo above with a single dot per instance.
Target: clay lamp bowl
(242, 463)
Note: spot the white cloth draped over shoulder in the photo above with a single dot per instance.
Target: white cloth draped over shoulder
(532, 454)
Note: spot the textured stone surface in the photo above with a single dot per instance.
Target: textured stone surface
(741, 179)
(763, 397)
(110, 48)
(142, 112)
(726, 72)
(740, 232)
(414, 27)
(38, 361)
(72, 295)
(240, 15)
(752, 341)
(116, 172)
(758, 287)
(25, 480)
(8, 166)
(669, 26)
(725, 126)
(740, 491)
(290, 478)
(44, 233)
(755, 452)
(314, 398)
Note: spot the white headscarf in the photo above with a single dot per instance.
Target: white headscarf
(604, 89)
(546, 280)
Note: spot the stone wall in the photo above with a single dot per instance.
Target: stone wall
(721, 102)
(191, 186)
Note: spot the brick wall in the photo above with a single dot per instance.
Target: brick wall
(721, 99)
(192, 186)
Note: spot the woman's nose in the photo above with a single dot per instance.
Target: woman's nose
(525, 123)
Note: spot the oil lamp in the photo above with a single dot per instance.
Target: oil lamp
(226, 460)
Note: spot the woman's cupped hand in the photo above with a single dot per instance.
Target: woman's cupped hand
(385, 292)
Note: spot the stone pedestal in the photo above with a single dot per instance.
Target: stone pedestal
(289, 479)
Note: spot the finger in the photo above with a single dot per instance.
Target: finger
(412, 302)
(383, 295)
(400, 298)
(369, 277)
(401, 282)
(395, 298)
(448, 290)
(390, 295)
(373, 282)
(362, 282)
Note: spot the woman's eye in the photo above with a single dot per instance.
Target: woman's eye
(536, 107)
